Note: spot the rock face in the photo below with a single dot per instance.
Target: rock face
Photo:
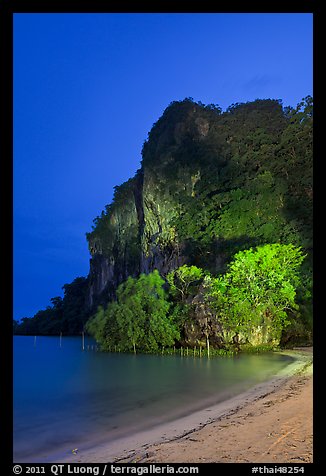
(203, 324)
(115, 243)
(136, 233)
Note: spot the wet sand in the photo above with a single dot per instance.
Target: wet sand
(270, 423)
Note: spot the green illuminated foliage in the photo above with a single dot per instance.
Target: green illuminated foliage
(138, 319)
(258, 291)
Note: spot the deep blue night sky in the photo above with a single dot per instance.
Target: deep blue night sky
(87, 90)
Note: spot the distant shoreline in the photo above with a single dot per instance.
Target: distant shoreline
(262, 414)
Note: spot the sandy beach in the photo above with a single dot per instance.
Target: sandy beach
(270, 423)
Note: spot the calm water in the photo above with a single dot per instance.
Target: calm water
(65, 398)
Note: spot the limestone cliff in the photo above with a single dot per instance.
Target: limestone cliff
(210, 184)
(137, 232)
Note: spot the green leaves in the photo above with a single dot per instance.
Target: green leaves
(139, 319)
(252, 299)
(182, 279)
(258, 290)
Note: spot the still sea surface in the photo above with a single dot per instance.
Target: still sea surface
(66, 398)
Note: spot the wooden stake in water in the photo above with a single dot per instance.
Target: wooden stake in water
(207, 345)
(60, 338)
(83, 341)
(34, 341)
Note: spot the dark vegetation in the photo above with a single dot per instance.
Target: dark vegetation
(67, 315)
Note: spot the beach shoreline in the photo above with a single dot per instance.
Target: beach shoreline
(274, 415)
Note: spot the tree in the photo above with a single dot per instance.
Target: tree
(95, 325)
(254, 297)
(184, 284)
(138, 319)
(130, 314)
(182, 280)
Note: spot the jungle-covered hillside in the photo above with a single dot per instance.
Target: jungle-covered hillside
(209, 243)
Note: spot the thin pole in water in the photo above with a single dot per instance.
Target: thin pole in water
(83, 341)
(60, 339)
(34, 341)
